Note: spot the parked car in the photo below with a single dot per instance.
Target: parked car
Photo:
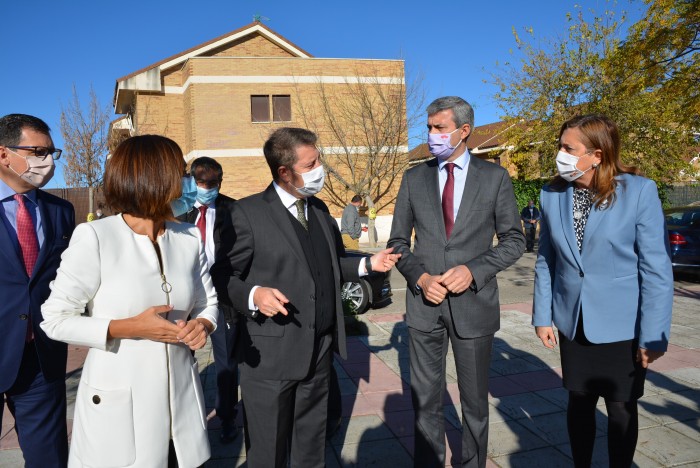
(373, 290)
(683, 226)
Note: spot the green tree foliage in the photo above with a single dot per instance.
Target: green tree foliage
(592, 70)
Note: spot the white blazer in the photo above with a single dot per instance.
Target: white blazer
(134, 395)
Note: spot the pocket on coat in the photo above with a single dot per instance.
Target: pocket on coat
(199, 393)
(106, 427)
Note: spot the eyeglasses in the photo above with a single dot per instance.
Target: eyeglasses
(40, 151)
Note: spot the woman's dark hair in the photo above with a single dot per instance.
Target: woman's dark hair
(599, 133)
(143, 176)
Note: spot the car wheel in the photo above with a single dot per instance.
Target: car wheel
(356, 295)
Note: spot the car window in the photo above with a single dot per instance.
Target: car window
(683, 218)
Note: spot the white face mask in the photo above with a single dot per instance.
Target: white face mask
(313, 182)
(566, 165)
(38, 172)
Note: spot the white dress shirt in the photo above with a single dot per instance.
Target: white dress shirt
(460, 175)
(209, 246)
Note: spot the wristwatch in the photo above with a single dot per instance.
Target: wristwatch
(368, 265)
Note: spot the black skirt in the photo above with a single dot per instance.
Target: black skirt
(609, 370)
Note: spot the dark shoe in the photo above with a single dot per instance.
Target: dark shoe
(229, 432)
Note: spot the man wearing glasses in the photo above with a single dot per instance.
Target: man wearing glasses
(35, 228)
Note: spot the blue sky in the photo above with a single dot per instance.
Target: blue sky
(48, 45)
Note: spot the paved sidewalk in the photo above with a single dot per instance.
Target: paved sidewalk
(527, 402)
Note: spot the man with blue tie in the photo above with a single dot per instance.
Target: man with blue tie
(35, 228)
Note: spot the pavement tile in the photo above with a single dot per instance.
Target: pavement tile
(375, 453)
(400, 423)
(396, 400)
(356, 405)
(360, 428)
(547, 456)
(687, 378)
(666, 409)
(538, 380)
(668, 446)
(511, 437)
(525, 405)
(503, 386)
(550, 427)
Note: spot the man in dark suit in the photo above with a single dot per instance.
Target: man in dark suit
(35, 229)
(530, 216)
(212, 215)
(288, 264)
(456, 203)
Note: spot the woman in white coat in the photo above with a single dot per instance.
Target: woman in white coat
(603, 277)
(135, 289)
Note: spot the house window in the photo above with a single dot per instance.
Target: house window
(261, 107)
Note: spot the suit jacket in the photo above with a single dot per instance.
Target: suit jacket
(224, 238)
(268, 253)
(149, 392)
(21, 296)
(487, 208)
(622, 279)
(525, 216)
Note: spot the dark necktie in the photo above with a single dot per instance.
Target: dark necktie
(202, 222)
(448, 199)
(301, 215)
(28, 245)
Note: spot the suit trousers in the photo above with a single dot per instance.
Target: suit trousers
(530, 232)
(286, 419)
(428, 351)
(39, 409)
(223, 341)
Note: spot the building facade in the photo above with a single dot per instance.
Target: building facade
(223, 98)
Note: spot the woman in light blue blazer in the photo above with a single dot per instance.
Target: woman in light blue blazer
(603, 277)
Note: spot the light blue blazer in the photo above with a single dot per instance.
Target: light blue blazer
(621, 280)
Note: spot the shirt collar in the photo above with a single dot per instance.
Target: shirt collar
(288, 200)
(7, 192)
(460, 162)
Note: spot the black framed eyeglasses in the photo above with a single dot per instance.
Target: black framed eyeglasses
(40, 151)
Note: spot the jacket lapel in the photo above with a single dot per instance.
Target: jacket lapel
(279, 215)
(48, 214)
(566, 209)
(471, 189)
(432, 185)
(8, 250)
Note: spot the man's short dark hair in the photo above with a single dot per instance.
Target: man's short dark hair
(11, 127)
(356, 199)
(280, 148)
(207, 164)
(462, 111)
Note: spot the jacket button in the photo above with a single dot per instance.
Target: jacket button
(312, 297)
(96, 399)
(23, 316)
(580, 273)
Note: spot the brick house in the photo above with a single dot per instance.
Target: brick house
(223, 98)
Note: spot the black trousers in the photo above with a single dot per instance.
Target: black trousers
(530, 236)
(285, 420)
(223, 341)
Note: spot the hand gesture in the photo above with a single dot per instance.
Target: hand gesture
(647, 356)
(193, 333)
(546, 334)
(457, 279)
(149, 325)
(431, 288)
(384, 260)
(270, 301)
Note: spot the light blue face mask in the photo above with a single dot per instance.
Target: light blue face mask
(207, 196)
(186, 201)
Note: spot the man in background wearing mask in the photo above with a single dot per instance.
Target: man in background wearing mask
(530, 216)
(456, 203)
(212, 215)
(35, 229)
(288, 264)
